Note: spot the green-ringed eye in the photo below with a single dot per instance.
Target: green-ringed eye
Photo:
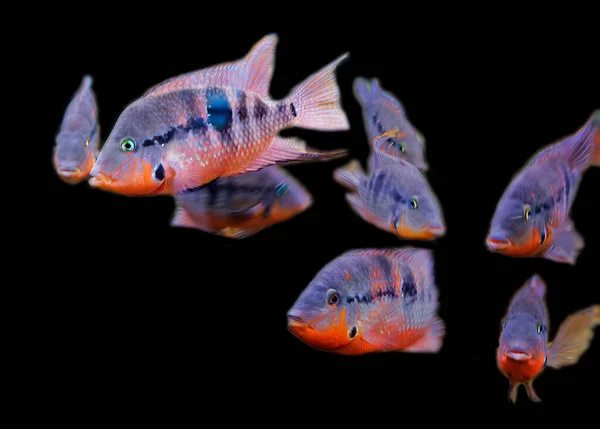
(540, 328)
(526, 211)
(281, 190)
(333, 298)
(413, 203)
(127, 145)
(401, 147)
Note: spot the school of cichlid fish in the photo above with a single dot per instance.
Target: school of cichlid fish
(209, 139)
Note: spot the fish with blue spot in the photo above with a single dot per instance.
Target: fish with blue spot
(371, 300)
(394, 196)
(532, 218)
(524, 350)
(240, 206)
(76, 144)
(387, 125)
(216, 122)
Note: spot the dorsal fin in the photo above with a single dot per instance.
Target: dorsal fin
(252, 73)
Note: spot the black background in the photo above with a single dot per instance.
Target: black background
(161, 315)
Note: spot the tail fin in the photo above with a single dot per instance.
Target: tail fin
(596, 149)
(573, 338)
(349, 175)
(317, 103)
(87, 81)
(181, 218)
(362, 90)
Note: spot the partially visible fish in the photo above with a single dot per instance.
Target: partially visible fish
(394, 197)
(532, 217)
(240, 206)
(386, 124)
(76, 146)
(216, 122)
(371, 300)
(524, 350)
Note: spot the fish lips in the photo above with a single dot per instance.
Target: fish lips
(517, 354)
(497, 243)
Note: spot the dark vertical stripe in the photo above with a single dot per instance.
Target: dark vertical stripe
(260, 108)
(378, 185)
(567, 180)
(243, 106)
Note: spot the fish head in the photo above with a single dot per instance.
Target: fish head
(74, 155)
(321, 316)
(516, 228)
(417, 213)
(405, 146)
(290, 198)
(130, 163)
(524, 336)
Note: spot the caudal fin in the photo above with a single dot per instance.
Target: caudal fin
(574, 337)
(317, 103)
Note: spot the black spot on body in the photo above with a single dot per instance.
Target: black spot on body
(197, 125)
(218, 109)
(260, 108)
(374, 119)
(159, 174)
(409, 286)
(147, 142)
(350, 299)
(379, 128)
(293, 108)
(243, 109)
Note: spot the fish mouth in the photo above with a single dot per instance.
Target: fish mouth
(296, 321)
(435, 230)
(100, 180)
(70, 175)
(424, 233)
(497, 243)
(518, 354)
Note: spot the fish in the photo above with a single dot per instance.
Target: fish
(76, 144)
(532, 218)
(371, 300)
(524, 350)
(394, 197)
(241, 206)
(216, 122)
(386, 124)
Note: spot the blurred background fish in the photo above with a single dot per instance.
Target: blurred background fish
(371, 300)
(524, 350)
(76, 146)
(386, 124)
(532, 217)
(240, 206)
(216, 122)
(394, 196)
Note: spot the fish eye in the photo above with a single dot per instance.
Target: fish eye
(127, 145)
(540, 328)
(401, 147)
(87, 142)
(526, 211)
(413, 203)
(352, 332)
(281, 190)
(333, 297)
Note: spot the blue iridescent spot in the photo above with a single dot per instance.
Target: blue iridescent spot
(218, 109)
(281, 190)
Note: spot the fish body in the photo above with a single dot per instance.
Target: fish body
(387, 127)
(532, 217)
(215, 122)
(371, 300)
(394, 196)
(76, 146)
(240, 206)
(524, 350)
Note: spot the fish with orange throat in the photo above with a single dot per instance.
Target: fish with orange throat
(241, 206)
(76, 145)
(371, 300)
(394, 196)
(386, 124)
(524, 351)
(216, 122)
(532, 218)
